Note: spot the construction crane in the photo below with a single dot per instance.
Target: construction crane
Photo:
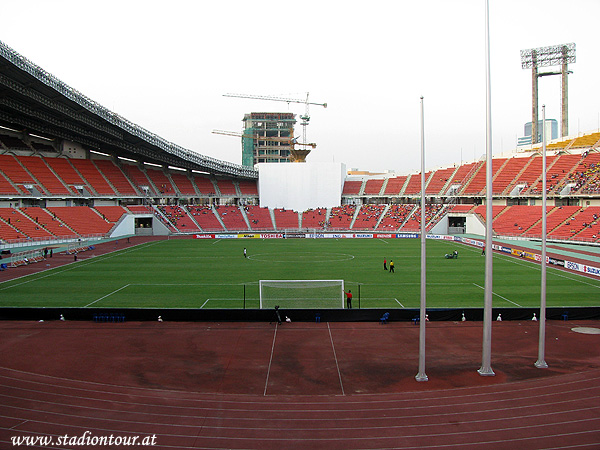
(298, 155)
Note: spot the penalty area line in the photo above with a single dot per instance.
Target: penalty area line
(498, 295)
(107, 295)
(401, 305)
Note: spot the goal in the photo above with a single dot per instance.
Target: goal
(306, 294)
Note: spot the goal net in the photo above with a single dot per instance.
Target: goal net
(301, 293)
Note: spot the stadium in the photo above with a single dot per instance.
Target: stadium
(155, 271)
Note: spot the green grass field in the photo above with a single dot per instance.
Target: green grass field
(186, 273)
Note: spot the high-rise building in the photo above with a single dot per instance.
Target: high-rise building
(551, 132)
(267, 137)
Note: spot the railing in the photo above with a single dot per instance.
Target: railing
(32, 242)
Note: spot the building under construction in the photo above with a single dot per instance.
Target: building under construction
(267, 137)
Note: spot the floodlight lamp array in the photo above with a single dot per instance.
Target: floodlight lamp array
(554, 55)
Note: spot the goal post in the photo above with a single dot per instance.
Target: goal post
(301, 294)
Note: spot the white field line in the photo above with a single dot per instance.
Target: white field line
(401, 305)
(270, 360)
(205, 303)
(75, 265)
(498, 295)
(336, 360)
(108, 295)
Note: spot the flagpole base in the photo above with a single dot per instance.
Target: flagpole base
(486, 372)
(541, 364)
(421, 377)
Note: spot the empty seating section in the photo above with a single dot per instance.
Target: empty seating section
(161, 181)
(587, 226)
(10, 224)
(314, 218)
(352, 187)
(504, 177)
(49, 221)
(517, 219)
(232, 218)
(368, 216)
(462, 174)
(555, 217)
(340, 217)
(461, 208)
(16, 173)
(481, 210)
(63, 168)
(248, 187)
(111, 213)
(6, 187)
(179, 218)
(139, 178)
(42, 173)
(81, 219)
(286, 219)
(438, 180)
(395, 185)
(183, 183)
(205, 217)
(90, 173)
(29, 226)
(413, 186)
(373, 187)
(205, 185)
(395, 217)
(536, 186)
(259, 218)
(226, 187)
(476, 185)
(116, 177)
(585, 141)
(531, 172)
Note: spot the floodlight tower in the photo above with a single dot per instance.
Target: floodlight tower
(555, 55)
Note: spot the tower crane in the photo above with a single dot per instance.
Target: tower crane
(297, 154)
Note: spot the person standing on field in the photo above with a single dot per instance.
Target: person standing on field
(384, 264)
(348, 299)
(391, 266)
(245, 253)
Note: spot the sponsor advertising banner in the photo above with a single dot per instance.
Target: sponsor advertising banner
(271, 235)
(204, 236)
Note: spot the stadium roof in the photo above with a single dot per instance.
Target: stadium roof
(34, 100)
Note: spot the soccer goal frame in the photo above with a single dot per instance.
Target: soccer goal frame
(301, 294)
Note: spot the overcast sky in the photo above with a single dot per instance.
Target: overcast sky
(164, 65)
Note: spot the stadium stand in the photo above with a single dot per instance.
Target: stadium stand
(92, 175)
(314, 218)
(116, 177)
(259, 218)
(248, 187)
(49, 221)
(183, 184)
(205, 185)
(140, 179)
(14, 172)
(352, 187)
(6, 187)
(179, 218)
(226, 187)
(341, 217)
(232, 218)
(160, 181)
(373, 187)
(42, 173)
(368, 217)
(82, 219)
(395, 217)
(111, 213)
(438, 181)
(204, 216)
(395, 185)
(413, 186)
(65, 170)
(555, 217)
(286, 219)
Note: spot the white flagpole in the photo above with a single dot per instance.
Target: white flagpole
(541, 363)
(421, 376)
(486, 354)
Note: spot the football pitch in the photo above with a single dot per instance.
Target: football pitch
(197, 273)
